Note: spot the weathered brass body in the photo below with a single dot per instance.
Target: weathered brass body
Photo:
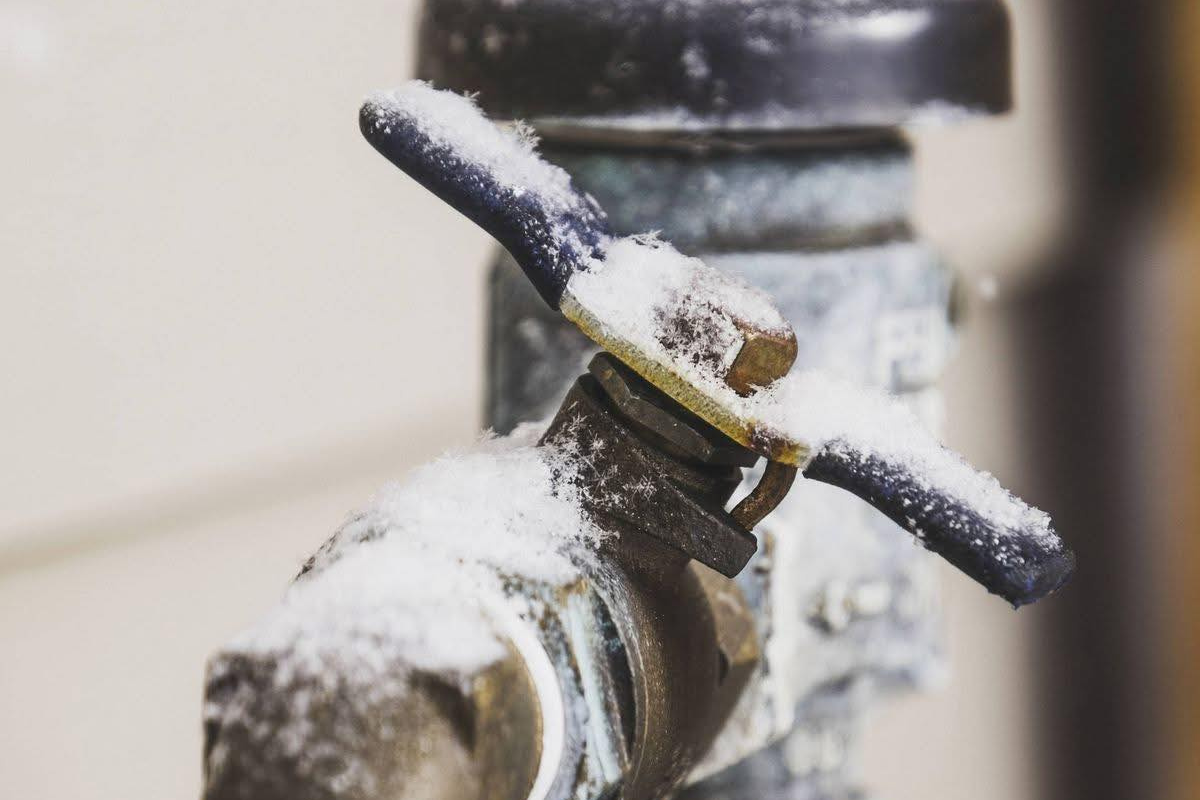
(616, 688)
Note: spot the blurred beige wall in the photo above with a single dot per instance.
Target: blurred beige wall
(226, 322)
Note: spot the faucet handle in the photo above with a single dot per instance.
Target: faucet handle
(963, 515)
(494, 178)
(714, 345)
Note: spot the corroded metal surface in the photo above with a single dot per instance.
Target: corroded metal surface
(688, 632)
(678, 503)
(277, 730)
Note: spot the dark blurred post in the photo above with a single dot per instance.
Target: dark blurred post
(1091, 343)
(1185, 400)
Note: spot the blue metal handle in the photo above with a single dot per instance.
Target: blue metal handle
(550, 234)
(1018, 556)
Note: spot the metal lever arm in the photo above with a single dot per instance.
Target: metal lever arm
(497, 181)
(1013, 553)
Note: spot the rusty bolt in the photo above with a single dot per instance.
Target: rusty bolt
(652, 411)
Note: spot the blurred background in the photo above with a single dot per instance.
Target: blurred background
(226, 322)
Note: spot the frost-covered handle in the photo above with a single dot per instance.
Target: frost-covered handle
(492, 176)
(997, 540)
(690, 330)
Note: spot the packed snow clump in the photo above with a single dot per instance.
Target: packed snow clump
(426, 583)
(410, 579)
(674, 308)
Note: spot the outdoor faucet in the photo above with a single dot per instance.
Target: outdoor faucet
(621, 659)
